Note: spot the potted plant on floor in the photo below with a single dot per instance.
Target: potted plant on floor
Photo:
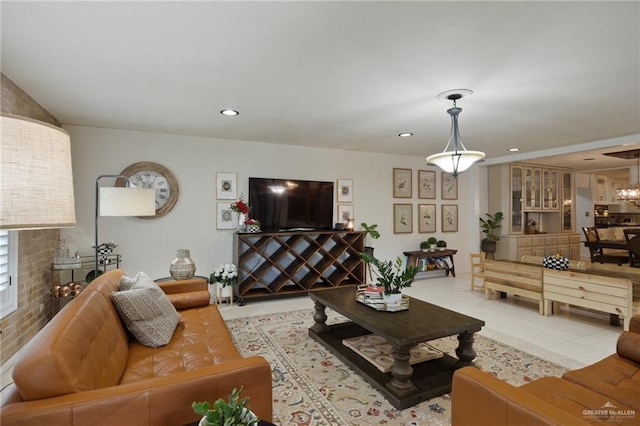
(393, 277)
(370, 231)
(224, 279)
(233, 413)
(489, 227)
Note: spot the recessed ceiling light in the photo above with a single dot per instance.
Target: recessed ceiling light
(513, 149)
(229, 112)
(405, 134)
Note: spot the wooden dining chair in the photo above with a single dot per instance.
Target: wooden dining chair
(597, 253)
(633, 245)
(477, 270)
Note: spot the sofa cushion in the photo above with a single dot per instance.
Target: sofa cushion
(200, 340)
(84, 347)
(146, 311)
(615, 377)
(583, 403)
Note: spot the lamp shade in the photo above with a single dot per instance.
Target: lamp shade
(36, 180)
(455, 162)
(117, 201)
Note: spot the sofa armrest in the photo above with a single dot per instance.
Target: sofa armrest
(186, 294)
(478, 398)
(634, 324)
(159, 401)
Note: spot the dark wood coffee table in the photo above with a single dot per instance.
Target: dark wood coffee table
(405, 385)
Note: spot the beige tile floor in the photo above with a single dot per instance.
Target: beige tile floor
(574, 337)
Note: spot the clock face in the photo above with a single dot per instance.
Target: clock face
(153, 176)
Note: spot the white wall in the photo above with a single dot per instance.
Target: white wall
(150, 245)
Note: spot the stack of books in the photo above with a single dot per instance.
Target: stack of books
(373, 292)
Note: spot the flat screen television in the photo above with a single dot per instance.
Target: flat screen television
(291, 205)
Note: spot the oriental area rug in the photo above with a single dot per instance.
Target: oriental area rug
(312, 387)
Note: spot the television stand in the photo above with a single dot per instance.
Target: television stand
(289, 263)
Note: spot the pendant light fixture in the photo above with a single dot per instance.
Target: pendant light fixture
(455, 158)
(632, 192)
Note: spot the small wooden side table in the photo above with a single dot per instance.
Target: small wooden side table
(414, 258)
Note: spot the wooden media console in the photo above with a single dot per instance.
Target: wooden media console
(272, 264)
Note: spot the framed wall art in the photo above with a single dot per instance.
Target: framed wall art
(449, 187)
(226, 186)
(426, 218)
(225, 217)
(402, 218)
(345, 191)
(426, 184)
(449, 218)
(345, 212)
(401, 183)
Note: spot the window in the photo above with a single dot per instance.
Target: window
(8, 272)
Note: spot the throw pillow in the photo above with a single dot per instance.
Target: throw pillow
(139, 281)
(146, 311)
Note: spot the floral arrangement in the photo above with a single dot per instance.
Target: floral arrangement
(240, 206)
(252, 222)
(226, 274)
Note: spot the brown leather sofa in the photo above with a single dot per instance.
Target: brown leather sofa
(604, 393)
(83, 368)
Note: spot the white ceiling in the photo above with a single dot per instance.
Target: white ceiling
(548, 77)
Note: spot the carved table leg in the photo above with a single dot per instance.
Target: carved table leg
(320, 317)
(465, 351)
(401, 383)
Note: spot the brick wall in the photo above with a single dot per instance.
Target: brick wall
(35, 248)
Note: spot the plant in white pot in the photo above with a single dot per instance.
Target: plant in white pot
(432, 243)
(236, 412)
(225, 276)
(393, 277)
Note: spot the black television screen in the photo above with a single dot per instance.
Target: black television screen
(287, 204)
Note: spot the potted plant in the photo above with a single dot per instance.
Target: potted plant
(225, 277)
(233, 413)
(424, 246)
(372, 232)
(489, 227)
(441, 244)
(393, 277)
(432, 243)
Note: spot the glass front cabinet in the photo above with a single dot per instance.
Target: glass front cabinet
(517, 212)
(539, 203)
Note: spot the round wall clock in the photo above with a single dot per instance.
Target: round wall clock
(146, 174)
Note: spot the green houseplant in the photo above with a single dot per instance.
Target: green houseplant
(489, 227)
(441, 244)
(424, 246)
(371, 232)
(393, 277)
(233, 413)
(432, 243)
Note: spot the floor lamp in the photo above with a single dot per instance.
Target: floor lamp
(121, 201)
